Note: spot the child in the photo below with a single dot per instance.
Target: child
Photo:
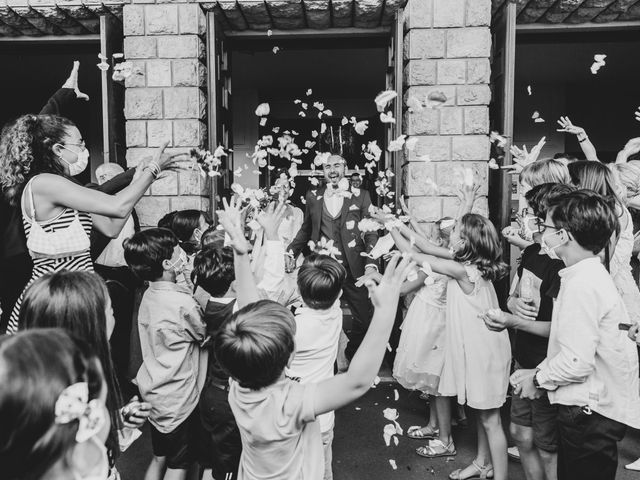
(173, 364)
(52, 408)
(317, 334)
(591, 369)
(275, 414)
(477, 361)
(533, 422)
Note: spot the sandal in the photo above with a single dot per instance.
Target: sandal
(485, 471)
(437, 448)
(423, 433)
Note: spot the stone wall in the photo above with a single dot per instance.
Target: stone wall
(447, 48)
(165, 98)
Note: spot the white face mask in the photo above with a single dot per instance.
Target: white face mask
(551, 251)
(80, 164)
(525, 227)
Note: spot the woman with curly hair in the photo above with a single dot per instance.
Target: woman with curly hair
(39, 155)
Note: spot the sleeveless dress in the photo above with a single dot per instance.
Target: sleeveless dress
(421, 350)
(477, 360)
(620, 267)
(43, 265)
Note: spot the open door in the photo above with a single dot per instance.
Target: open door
(502, 81)
(393, 160)
(219, 105)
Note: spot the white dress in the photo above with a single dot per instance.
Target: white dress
(477, 360)
(420, 354)
(620, 268)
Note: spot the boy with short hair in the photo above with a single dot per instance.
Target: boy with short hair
(318, 327)
(591, 369)
(173, 364)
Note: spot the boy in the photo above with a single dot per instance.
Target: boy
(533, 422)
(591, 369)
(275, 414)
(213, 272)
(173, 365)
(318, 327)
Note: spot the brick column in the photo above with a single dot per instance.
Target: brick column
(447, 49)
(165, 98)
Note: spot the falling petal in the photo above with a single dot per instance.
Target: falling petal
(383, 99)
(309, 92)
(539, 120)
(302, 114)
(263, 110)
(323, 128)
(535, 115)
(263, 121)
(269, 33)
(393, 464)
(493, 165)
(351, 244)
(387, 118)
(396, 395)
(275, 49)
(344, 121)
(396, 145)
(529, 89)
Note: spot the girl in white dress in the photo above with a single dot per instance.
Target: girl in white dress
(477, 361)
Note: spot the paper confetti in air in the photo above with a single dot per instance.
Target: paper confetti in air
(498, 139)
(263, 121)
(309, 92)
(396, 145)
(598, 62)
(493, 165)
(351, 244)
(376, 381)
(358, 408)
(396, 395)
(275, 50)
(350, 224)
(536, 117)
(269, 33)
(263, 110)
(387, 118)
(388, 432)
(383, 99)
(390, 414)
(529, 89)
(389, 348)
(393, 464)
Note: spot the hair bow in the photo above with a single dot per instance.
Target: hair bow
(73, 404)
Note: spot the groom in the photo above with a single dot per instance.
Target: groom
(333, 212)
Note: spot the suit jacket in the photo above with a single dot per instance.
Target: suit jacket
(354, 209)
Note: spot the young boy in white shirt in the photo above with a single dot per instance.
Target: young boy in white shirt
(318, 327)
(591, 369)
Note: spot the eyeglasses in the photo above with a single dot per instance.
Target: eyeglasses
(542, 227)
(80, 144)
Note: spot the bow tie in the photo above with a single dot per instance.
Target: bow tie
(338, 192)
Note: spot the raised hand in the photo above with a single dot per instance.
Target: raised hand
(231, 220)
(469, 193)
(168, 161)
(72, 82)
(522, 157)
(271, 218)
(391, 282)
(568, 127)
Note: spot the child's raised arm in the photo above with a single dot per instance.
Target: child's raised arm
(231, 220)
(274, 269)
(342, 389)
(401, 232)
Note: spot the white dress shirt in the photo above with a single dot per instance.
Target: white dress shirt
(590, 361)
(333, 203)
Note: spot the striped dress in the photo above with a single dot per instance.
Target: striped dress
(43, 265)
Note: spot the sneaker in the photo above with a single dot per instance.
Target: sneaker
(514, 453)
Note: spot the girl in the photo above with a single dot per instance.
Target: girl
(189, 225)
(39, 155)
(477, 361)
(79, 303)
(52, 408)
(420, 354)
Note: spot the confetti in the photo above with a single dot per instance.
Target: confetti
(396, 441)
(352, 244)
(309, 144)
(498, 139)
(303, 200)
(318, 105)
(598, 62)
(263, 110)
(304, 105)
(238, 171)
(323, 128)
(269, 33)
(529, 89)
(361, 127)
(275, 129)
(314, 133)
(388, 432)
(309, 92)
(396, 395)
(536, 117)
(390, 414)
(344, 121)
(390, 350)
(263, 121)
(375, 383)
(387, 118)
(350, 224)
(393, 464)
(493, 165)
(275, 50)
(358, 409)
(396, 145)
(383, 99)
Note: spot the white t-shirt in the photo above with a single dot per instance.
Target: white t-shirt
(113, 253)
(317, 338)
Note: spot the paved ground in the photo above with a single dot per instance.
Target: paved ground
(360, 451)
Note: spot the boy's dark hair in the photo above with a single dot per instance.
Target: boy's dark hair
(146, 250)
(213, 270)
(587, 216)
(212, 237)
(320, 281)
(540, 196)
(255, 345)
(167, 220)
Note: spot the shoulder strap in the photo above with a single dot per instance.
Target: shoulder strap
(32, 210)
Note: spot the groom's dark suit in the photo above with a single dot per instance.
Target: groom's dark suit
(343, 230)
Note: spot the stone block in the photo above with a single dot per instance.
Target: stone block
(136, 133)
(450, 176)
(161, 19)
(450, 206)
(418, 14)
(451, 120)
(184, 102)
(424, 122)
(142, 103)
(426, 209)
(182, 46)
(420, 72)
(151, 209)
(478, 13)
(421, 44)
(478, 71)
(186, 202)
(188, 133)
(191, 19)
(158, 132)
(448, 13)
(139, 47)
(452, 72)
(138, 74)
(476, 120)
(468, 42)
(190, 182)
(159, 73)
(419, 178)
(471, 147)
(133, 20)
(165, 184)
(474, 95)
(137, 155)
(189, 73)
(437, 147)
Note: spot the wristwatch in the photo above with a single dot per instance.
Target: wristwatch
(535, 379)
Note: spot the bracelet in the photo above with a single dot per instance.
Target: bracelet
(154, 169)
(583, 140)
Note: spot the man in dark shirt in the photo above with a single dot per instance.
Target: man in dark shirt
(533, 422)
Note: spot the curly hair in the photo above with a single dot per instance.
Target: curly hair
(26, 150)
(481, 247)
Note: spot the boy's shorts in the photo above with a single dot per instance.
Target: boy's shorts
(178, 446)
(541, 416)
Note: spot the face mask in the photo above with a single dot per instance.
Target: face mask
(180, 269)
(525, 227)
(81, 162)
(101, 470)
(551, 251)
